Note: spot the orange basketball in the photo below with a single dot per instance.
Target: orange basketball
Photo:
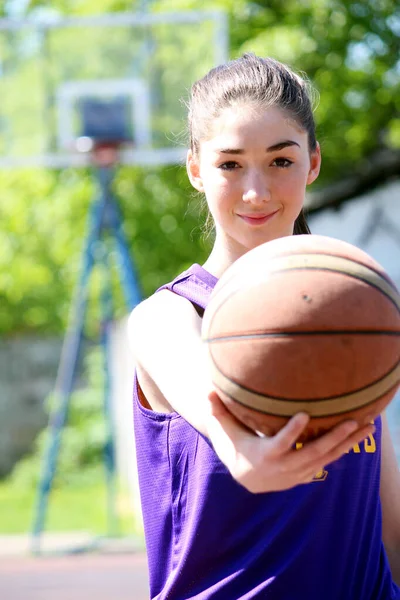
(304, 323)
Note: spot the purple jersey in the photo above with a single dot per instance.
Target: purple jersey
(207, 537)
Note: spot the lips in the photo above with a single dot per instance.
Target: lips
(257, 218)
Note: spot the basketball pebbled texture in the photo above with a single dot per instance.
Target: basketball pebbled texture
(304, 323)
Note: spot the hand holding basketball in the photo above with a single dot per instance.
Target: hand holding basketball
(272, 464)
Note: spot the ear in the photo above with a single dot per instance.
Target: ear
(315, 164)
(193, 170)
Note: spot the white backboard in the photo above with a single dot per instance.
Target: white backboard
(151, 59)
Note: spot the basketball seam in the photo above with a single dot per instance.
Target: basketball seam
(278, 334)
(310, 268)
(315, 268)
(324, 416)
(323, 399)
(308, 253)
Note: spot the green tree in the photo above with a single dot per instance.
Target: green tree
(350, 51)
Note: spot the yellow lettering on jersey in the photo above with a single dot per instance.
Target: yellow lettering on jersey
(299, 445)
(356, 449)
(321, 475)
(369, 444)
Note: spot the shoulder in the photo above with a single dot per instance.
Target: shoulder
(159, 306)
(162, 314)
(168, 353)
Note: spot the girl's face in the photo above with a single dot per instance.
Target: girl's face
(253, 169)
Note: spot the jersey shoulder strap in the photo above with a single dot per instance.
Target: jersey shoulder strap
(195, 284)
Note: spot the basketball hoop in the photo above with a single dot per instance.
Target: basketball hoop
(143, 61)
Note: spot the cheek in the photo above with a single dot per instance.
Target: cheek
(218, 192)
(294, 186)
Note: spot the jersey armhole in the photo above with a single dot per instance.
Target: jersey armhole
(198, 309)
(141, 404)
(141, 397)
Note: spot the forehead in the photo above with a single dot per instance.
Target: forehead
(242, 124)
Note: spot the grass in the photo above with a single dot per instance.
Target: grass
(72, 508)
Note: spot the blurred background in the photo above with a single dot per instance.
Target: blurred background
(70, 272)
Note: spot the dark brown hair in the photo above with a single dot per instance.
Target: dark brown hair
(263, 82)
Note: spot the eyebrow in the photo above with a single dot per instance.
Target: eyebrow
(273, 148)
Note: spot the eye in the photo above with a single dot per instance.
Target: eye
(230, 165)
(282, 163)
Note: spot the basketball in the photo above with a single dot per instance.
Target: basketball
(304, 323)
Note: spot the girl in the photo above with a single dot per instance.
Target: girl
(228, 514)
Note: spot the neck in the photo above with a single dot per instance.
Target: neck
(226, 251)
(223, 255)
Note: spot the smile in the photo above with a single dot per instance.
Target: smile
(257, 218)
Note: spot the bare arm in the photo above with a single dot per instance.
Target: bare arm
(390, 499)
(172, 367)
(165, 336)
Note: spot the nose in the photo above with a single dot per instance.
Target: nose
(256, 190)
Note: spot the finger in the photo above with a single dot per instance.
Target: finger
(329, 447)
(357, 437)
(286, 437)
(222, 423)
(316, 450)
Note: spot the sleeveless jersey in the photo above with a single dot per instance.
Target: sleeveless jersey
(207, 537)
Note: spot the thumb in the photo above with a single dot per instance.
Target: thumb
(217, 407)
(223, 426)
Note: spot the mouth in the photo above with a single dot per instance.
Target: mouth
(257, 218)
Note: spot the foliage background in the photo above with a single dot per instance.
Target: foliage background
(349, 50)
